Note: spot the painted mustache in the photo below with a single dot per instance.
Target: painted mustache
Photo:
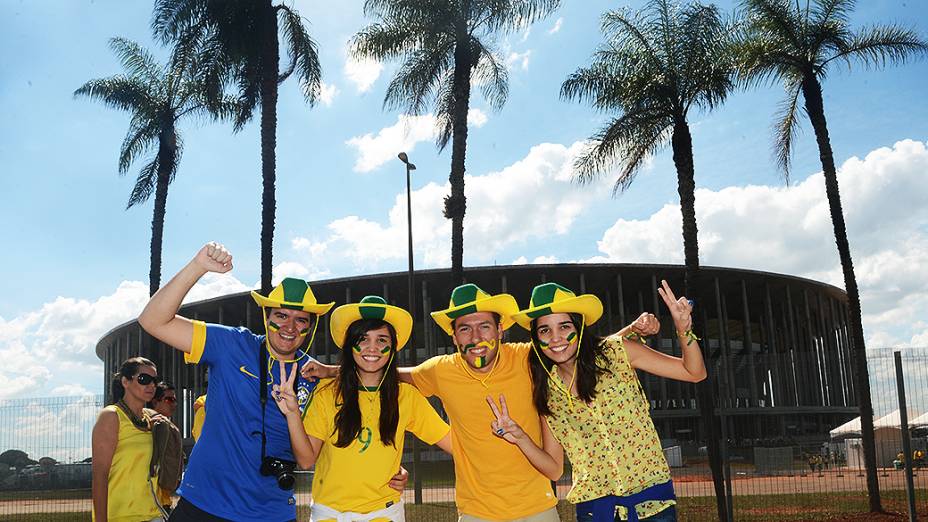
(481, 360)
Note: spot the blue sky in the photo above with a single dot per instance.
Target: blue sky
(76, 263)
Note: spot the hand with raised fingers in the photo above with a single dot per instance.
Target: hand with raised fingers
(398, 481)
(314, 370)
(681, 309)
(646, 325)
(504, 427)
(283, 393)
(214, 257)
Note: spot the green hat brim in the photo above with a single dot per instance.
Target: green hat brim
(344, 315)
(313, 308)
(587, 305)
(503, 304)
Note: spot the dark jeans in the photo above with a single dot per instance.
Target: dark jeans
(187, 512)
(667, 515)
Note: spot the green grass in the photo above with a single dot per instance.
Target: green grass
(750, 508)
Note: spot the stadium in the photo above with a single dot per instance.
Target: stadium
(777, 346)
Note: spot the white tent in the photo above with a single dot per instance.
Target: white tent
(919, 422)
(849, 428)
(894, 419)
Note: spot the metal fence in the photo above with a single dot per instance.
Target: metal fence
(808, 467)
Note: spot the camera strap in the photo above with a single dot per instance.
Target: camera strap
(262, 393)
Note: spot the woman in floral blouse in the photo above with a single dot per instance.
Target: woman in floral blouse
(589, 392)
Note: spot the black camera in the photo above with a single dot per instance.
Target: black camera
(281, 469)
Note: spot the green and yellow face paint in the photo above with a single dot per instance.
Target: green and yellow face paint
(385, 350)
(482, 360)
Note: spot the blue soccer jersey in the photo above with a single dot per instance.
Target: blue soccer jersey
(223, 477)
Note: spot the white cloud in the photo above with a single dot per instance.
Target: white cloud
(327, 93)
(53, 350)
(499, 215)
(362, 73)
(519, 59)
(789, 230)
(376, 150)
(69, 389)
(557, 26)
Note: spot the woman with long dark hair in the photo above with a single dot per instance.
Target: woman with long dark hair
(355, 423)
(122, 447)
(588, 390)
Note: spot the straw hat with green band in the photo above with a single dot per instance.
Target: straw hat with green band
(371, 307)
(468, 299)
(294, 294)
(552, 298)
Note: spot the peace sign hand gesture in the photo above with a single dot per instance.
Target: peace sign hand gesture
(504, 427)
(283, 393)
(680, 309)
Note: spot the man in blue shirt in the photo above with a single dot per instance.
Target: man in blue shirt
(224, 480)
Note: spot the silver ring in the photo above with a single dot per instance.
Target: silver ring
(691, 302)
(500, 431)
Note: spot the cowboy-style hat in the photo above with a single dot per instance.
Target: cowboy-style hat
(468, 299)
(294, 294)
(371, 307)
(552, 298)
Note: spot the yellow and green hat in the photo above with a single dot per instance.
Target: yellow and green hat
(468, 299)
(552, 298)
(371, 307)
(294, 294)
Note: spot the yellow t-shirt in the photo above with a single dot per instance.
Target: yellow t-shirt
(611, 442)
(129, 496)
(355, 478)
(493, 479)
(199, 416)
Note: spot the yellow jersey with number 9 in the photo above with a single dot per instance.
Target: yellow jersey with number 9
(355, 478)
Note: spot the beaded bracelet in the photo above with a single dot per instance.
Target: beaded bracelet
(690, 336)
(635, 336)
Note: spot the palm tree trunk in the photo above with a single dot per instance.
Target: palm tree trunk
(167, 154)
(271, 65)
(456, 203)
(815, 108)
(682, 144)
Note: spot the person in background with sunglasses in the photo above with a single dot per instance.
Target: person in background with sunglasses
(165, 403)
(165, 400)
(122, 447)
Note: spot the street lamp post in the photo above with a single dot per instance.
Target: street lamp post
(417, 481)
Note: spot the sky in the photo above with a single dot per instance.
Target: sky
(75, 261)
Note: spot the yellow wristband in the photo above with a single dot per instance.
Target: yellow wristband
(689, 335)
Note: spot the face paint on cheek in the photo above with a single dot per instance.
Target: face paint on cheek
(304, 332)
(356, 348)
(543, 345)
(571, 337)
(272, 326)
(385, 350)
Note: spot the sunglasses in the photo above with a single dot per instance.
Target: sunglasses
(145, 379)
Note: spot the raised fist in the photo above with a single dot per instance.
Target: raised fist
(214, 257)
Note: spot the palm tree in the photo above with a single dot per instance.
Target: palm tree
(654, 67)
(239, 43)
(445, 45)
(796, 45)
(158, 97)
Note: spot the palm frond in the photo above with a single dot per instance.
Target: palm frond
(141, 136)
(786, 128)
(145, 183)
(444, 110)
(881, 45)
(303, 54)
(119, 92)
(417, 79)
(490, 74)
(137, 61)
